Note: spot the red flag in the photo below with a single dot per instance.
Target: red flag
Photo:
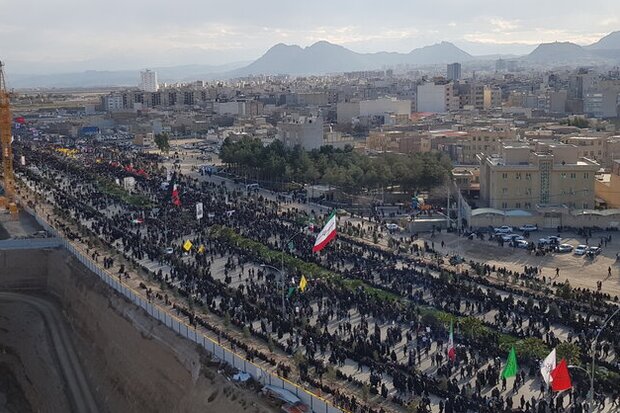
(561, 379)
(176, 200)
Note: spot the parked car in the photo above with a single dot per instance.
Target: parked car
(564, 248)
(594, 250)
(581, 249)
(506, 237)
(503, 230)
(393, 227)
(550, 240)
(528, 228)
(521, 243)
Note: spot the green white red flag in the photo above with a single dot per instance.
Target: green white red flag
(327, 234)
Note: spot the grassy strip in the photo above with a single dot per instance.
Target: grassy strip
(276, 257)
(115, 191)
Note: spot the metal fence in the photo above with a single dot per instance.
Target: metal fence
(316, 403)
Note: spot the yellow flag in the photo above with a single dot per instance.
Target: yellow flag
(303, 283)
(201, 249)
(188, 245)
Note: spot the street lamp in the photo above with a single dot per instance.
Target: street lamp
(281, 269)
(281, 272)
(589, 376)
(594, 353)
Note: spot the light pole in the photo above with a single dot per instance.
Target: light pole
(589, 376)
(594, 343)
(281, 269)
(281, 272)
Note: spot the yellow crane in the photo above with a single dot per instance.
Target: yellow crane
(6, 138)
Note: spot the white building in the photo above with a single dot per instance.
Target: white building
(305, 131)
(384, 106)
(112, 103)
(434, 98)
(148, 81)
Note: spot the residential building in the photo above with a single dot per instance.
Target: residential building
(607, 187)
(435, 97)
(454, 72)
(148, 81)
(305, 131)
(522, 177)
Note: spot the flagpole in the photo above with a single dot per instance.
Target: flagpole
(594, 354)
(284, 244)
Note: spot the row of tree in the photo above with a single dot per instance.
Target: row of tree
(346, 169)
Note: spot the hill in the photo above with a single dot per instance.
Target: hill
(325, 57)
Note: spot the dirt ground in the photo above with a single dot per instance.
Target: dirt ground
(579, 270)
(26, 355)
(132, 362)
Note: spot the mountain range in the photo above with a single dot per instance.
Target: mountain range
(324, 57)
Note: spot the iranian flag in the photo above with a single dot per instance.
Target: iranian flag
(327, 234)
(451, 349)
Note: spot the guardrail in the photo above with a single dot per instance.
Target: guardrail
(316, 403)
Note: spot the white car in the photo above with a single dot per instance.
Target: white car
(169, 250)
(551, 239)
(581, 249)
(393, 227)
(521, 243)
(507, 237)
(564, 248)
(503, 230)
(528, 228)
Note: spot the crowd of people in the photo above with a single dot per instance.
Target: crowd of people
(377, 318)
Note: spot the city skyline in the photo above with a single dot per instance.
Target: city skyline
(158, 33)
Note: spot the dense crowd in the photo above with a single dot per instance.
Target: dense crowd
(389, 323)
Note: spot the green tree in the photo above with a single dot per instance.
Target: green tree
(163, 142)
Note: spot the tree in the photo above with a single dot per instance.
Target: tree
(163, 142)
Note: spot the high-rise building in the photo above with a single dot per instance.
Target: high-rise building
(454, 71)
(148, 81)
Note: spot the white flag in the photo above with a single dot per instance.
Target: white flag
(199, 211)
(547, 366)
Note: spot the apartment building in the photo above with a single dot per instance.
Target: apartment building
(522, 177)
(436, 97)
(305, 131)
(607, 186)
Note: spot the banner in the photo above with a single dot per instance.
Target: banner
(199, 211)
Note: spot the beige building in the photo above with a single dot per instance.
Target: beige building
(607, 187)
(521, 177)
(592, 147)
(398, 141)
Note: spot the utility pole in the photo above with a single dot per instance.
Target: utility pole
(594, 343)
(459, 222)
(448, 206)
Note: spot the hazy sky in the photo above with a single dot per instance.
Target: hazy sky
(53, 35)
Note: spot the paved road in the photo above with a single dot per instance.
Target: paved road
(79, 390)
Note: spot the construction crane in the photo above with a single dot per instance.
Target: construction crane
(6, 138)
